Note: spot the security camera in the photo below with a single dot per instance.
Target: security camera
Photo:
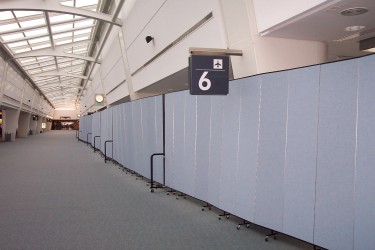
(149, 39)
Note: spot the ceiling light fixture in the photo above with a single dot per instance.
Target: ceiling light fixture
(354, 11)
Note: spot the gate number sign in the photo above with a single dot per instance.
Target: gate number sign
(209, 75)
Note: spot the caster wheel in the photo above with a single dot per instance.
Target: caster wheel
(147, 185)
(136, 178)
(247, 226)
(177, 198)
(167, 193)
(266, 239)
(275, 237)
(202, 209)
(227, 216)
(219, 218)
(151, 190)
(238, 227)
(185, 197)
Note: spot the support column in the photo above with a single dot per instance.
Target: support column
(23, 124)
(10, 122)
(39, 125)
(33, 124)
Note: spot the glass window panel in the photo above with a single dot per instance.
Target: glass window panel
(26, 13)
(5, 15)
(36, 32)
(7, 27)
(41, 46)
(64, 42)
(35, 71)
(84, 23)
(67, 3)
(84, 31)
(12, 36)
(80, 3)
(63, 35)
(23, 61)
(31, 23)
(17, 44)
(22, 50)
(49, 68)
(82, 38)
(38, 40)
(59, 18)
(56, 28)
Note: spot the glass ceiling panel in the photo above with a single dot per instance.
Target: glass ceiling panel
(60, 18)
(36, 32)
(38, 40)
(26, 13)
(7, 27)
(35, 36)
(61, 27)
(5, 15)
(32, 22)
(12, 36)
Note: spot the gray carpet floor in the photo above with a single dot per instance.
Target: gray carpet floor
(55, 193)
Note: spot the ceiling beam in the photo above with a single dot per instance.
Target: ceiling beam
(55, 6)
(56, 73)
(55, 53)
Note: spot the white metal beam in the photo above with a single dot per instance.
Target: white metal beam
(51, 52)
(55, 6)
(56, 73)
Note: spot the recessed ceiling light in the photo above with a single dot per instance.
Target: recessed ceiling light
(354, 11)
(354, 28)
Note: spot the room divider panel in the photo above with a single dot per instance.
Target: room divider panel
(293, 151)
(106, 130)
(288, 150)
(96, 129)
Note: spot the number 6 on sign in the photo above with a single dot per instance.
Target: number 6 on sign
(202, 80)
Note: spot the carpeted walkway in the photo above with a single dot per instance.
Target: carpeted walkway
(55, 193)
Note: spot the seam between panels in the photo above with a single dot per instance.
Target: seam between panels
(317, 152)
(258, 145)
(195, 139)
(285, 149)
(356, 153)
(239, 132)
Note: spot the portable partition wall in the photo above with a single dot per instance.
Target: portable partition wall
(292, 151)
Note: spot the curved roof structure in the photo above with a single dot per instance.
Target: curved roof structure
(54, 42)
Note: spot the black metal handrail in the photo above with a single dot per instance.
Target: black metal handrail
(94, 142)
(78, 135)
(87, 138)
(105, 150)
(152, 171)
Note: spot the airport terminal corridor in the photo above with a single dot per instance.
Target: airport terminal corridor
(56, 193)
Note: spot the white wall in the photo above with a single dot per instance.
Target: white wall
(273, 12)
(71, 113)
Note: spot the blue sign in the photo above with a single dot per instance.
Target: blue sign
(209, 75)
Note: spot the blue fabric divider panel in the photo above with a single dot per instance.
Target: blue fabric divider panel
(95, 129)
(214, 167)
(123, 144)
(301, 152)
(116, 133)
(137, 149)
(169, 139)
(190, 120)
(334, 212)
(128, 136)
(106, 130)
(272, 139)
(179, 141)
(202, 146)
(364, 226)
(153, 136)
(229, 149)
(248, 148)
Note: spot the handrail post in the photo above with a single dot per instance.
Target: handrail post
(87, 138)
(105, 150)
(94, 142)
(78, 135)
(152, 171)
